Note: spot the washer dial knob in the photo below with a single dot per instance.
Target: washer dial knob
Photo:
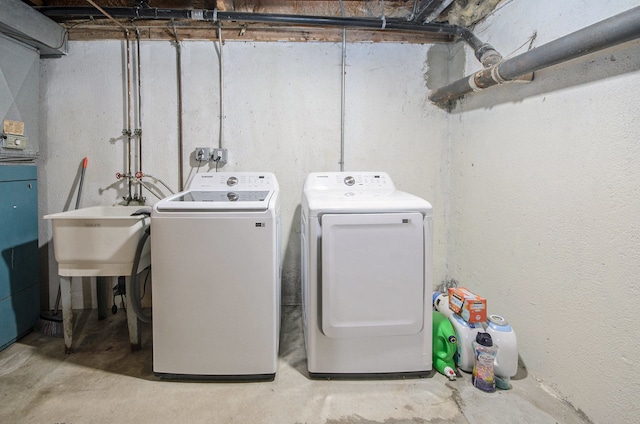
(232, 196)
(232, 181)
(349, 181)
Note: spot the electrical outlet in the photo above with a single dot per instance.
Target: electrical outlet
(219, 155)
(203, 153)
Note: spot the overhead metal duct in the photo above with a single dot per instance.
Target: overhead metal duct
(21, 22)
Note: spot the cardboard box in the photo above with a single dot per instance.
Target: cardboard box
(471, 307)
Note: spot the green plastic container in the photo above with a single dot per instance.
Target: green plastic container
(444, 345)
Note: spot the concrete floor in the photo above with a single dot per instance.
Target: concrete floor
(103, 382)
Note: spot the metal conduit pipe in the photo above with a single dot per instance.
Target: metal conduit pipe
(127, 131)
(138, 131)
(179, 95)
(343, 90)
(607, 33)
(438, 10)
(413, 11)
(343, 75)
(482, 50)
(221, 82)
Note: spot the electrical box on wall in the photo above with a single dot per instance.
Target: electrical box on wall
(202, 153)
(219, 155)
(18, 142)
(16, 148)
(13, 143)
(216, 155)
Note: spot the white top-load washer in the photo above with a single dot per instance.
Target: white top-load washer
(366, 276)
(215, 253)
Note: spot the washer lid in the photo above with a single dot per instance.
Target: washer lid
(223, 196)
(224, 191)
(196, 200)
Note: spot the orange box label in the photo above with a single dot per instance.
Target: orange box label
(471, 307)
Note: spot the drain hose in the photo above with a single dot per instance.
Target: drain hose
(135, 287)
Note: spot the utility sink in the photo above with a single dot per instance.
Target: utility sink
(99, 240)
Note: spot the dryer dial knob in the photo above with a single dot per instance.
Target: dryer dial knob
(232, 196)
(232, 181)
(349, 181)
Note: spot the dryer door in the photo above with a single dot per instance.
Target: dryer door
(372, 274)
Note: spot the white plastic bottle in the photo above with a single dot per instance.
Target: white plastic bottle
(506, 362)
(466, 332)
(441, 303)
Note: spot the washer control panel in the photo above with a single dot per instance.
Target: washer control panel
(235, 181)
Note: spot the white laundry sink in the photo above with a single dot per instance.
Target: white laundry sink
(99, 240)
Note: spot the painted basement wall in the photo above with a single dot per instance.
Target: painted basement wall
(545, 206)
(282, 114)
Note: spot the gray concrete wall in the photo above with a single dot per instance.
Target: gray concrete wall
(545, 206)
(534, 187)
(282, 114)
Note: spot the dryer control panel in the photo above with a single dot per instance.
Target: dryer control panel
(349, 180)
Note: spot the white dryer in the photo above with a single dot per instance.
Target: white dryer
(215, 253)
(366, 276)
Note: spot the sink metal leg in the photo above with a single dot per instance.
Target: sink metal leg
(67, 313)
(103, 285)
(132, 319)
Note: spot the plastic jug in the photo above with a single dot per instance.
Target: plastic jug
(466, 332)
(506, 362)
(485, 353)
(444, 345)
(441, 303)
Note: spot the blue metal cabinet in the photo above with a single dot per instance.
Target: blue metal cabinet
(19, 285)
